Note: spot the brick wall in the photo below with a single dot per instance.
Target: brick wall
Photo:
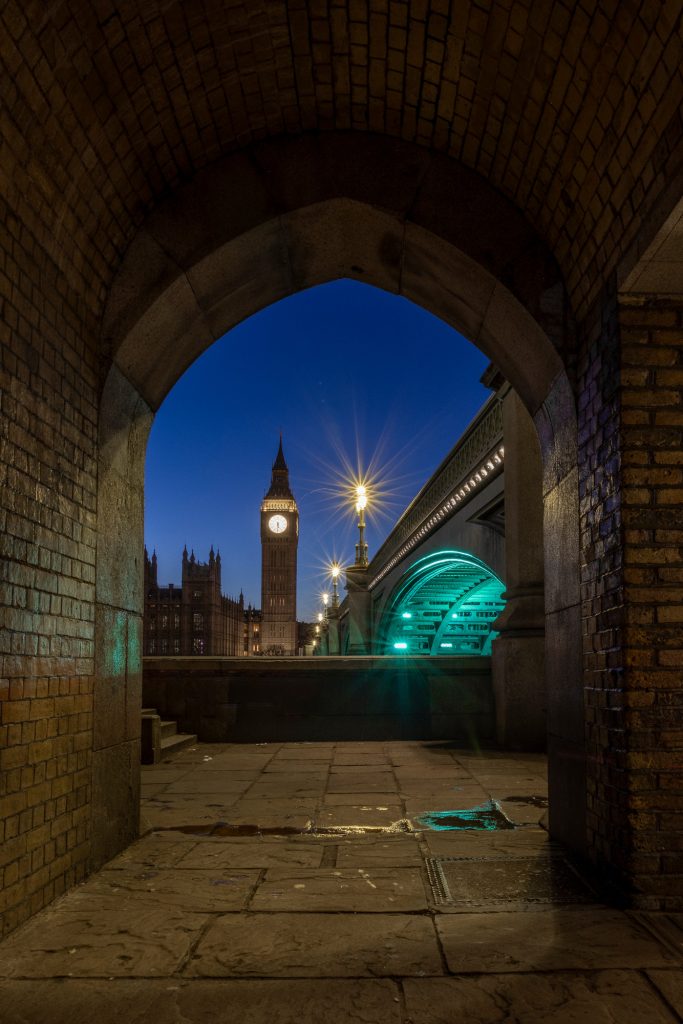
(47, 572)
(652, 519)
(631, 479)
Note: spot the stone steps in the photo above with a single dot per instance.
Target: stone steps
(161, 739)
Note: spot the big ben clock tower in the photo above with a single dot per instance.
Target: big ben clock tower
(279, 541)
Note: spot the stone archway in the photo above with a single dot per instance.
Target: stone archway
(284, 217)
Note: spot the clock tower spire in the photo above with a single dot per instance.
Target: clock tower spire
(279, 541)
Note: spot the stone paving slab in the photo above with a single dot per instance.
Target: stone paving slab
(361, 782)
(175, 813)
(670, 984)
(549, 940)
(146, 940)
(285, 813)
(200, 890)
(210, 782)
(257, 852)
(364, 815)
(154, 851)
(317, 945)
(363, 852)
(201, 1002)
(356, 799)
(508, 842)
(602, 997)
(375, 889)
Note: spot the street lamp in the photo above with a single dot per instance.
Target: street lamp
(326, 601)
(361, 546)
(336, 570)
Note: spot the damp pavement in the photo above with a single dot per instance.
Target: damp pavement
(382, 883)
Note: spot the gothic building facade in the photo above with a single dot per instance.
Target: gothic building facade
(196, 618)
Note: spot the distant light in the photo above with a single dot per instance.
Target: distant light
(326, 598)
(320, 617)
(361, 498)
(446, 645)
(400, 646)
(336, 569)
(454, 615)
(406, 615)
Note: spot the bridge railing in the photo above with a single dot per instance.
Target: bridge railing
(476, 458)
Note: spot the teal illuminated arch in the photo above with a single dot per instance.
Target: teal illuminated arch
(446, 603)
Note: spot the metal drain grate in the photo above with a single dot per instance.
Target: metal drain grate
(496, 882)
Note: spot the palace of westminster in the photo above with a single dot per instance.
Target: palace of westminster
(196, 618)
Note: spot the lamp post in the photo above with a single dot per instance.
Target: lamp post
(336, 569)
(326, 601)
(361, 546)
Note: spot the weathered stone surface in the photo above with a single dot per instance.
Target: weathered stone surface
(487, 844)
(376, 889)
(318, 945)
(364, 814)
(362, 852)
(256, 852)
(143, 940)
(536, 999)
(670, 984)
(548, 940)
(153, 851)
(201, 890)
(200, 1002)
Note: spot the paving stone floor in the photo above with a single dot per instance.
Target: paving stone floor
(288, 883)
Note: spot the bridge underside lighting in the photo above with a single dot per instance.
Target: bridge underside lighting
(446, 604)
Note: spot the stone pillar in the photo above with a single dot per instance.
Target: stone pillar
(358, 603)
(323, 645)
(518, 651)
(333, 647)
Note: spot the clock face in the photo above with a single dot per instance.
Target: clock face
(277, 524)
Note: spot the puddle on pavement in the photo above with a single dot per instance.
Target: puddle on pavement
(486, 817)
(222, 829)
(533, 801)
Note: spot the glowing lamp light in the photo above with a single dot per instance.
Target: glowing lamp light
(320, 619)
(336, 569)
(361, 498)
(445, 645)
(326, 598)
(401, 646)
(454, 615)
(406, 615)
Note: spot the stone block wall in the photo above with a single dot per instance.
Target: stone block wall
(306, 699)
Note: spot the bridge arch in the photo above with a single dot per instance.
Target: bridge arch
(445, 603)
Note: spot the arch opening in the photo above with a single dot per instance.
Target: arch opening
(178, 290)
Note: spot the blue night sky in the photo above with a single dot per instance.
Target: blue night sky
(357, 379)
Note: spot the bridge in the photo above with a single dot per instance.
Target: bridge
(461, 572)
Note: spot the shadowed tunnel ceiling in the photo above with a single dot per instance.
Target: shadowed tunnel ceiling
(108, 106)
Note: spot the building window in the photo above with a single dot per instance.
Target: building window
(164, 646)
(176, 622)
(176, 646)
(164, 621)
(197, 646)
(197, 594)
(152, 626)
(198, 620)
(152, 647)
